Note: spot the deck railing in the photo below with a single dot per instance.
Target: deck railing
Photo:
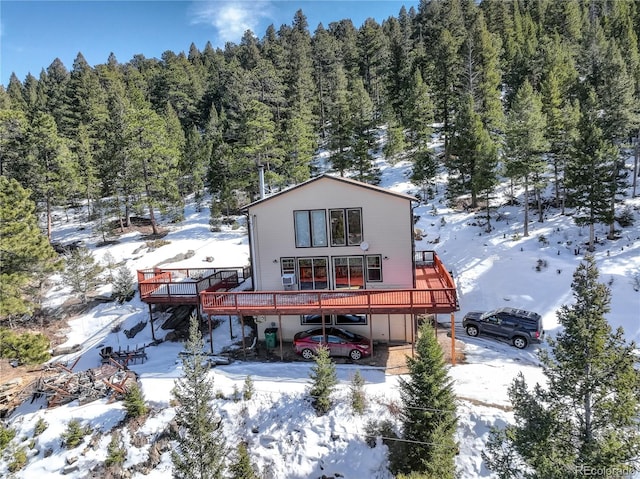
(439, 299)
(211, 287)
(302, 302)
(185, 284)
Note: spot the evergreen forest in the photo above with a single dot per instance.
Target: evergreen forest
(543, 93)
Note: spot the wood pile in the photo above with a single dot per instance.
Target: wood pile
(85, 386)
(60, 385)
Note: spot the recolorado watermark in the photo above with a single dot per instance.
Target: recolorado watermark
(609, 472)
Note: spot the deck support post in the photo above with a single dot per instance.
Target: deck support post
(153, 334)
(453, 339)
(414, 325)
(210, 334)
(280, 336)
(230, 329)
(371, 331)
(244, 346)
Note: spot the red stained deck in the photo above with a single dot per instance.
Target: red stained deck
(435, 292)
(183, 286)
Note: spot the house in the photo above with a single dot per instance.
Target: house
(333, 250)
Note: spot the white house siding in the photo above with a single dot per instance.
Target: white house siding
(387, 228)
(385, 327)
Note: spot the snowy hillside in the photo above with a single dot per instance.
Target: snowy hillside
(285, 437)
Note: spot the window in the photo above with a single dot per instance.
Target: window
(341, 319)
(311, 228)
(346, 227)
(354, 226)
(374, 268)
(348, 272)
(288, 265)
(314, 319)
(313, 273)
(346, 319)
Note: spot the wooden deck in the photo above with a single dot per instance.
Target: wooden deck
(435, 292)
(183, 286)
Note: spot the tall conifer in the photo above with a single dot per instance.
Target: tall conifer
(585, 418)
(525, 143)
(25, 253)
(428, 412)
(591, 175)
(201, 450)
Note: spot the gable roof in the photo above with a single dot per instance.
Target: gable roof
(334, 178)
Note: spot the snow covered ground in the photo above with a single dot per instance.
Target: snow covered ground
(286, 439)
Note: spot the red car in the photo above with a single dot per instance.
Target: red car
(340, 342)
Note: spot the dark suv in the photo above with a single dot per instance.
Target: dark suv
(516, 325)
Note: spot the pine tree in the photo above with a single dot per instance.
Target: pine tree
(373, 47)
(590, 172)
(341, 125)
(88, 184)
(356, 393)
(52, 170)
(153, 154)
(561, 120)
(418, 112)
(325, 61)
(362, 117)
(13, 126)
(74, 434)
(258, 146)
(525, 143)
(53, 87)
(15, 95)
(25, 254)
(201, 448)
(401, 50)
(323, 381)
(443, 31)
(116, 453)
(82, 273)
(424, 170)
(428, 411)
(27, 348)
(473, 156)
(193, 165)
(247, 388)
(585, 417)
(134, 402)
(242, 468)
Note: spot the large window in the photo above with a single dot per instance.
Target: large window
(311, 228)
(313, 273)
(348, 272)
(346, 227)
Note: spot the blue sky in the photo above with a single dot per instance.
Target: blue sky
(34, 33)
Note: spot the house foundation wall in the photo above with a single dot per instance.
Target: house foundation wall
(382, 328)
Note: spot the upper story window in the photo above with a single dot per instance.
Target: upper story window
(311, 228)
(346, 226)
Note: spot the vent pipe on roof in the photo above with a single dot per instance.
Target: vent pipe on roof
(261, 176)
